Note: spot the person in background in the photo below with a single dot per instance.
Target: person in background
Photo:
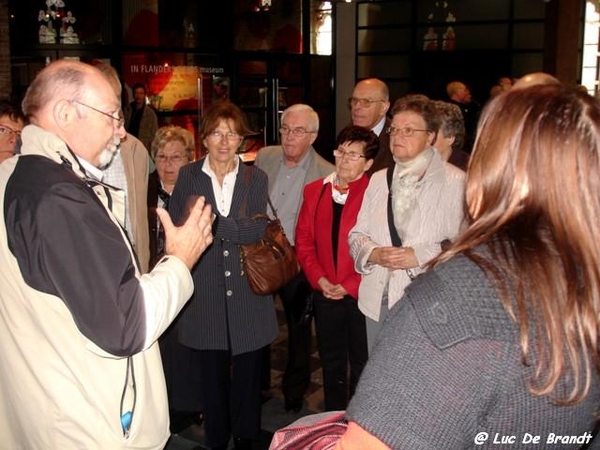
(327, 215)
(78, 322)
(12, 122)
(500, 337)
(535, 78)
(505, 83)
(495, 90)
(425, 209)
(451, 135)
(140, 118)
(225, 322)
(128, 170)
(460, 95)
(369, 105)
(289, 167)
(172, 148)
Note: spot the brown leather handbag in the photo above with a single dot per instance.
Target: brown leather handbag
(270, 263)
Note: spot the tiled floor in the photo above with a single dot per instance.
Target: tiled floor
(274, 415)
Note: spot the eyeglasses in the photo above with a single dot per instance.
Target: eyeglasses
(297, 132)
(230, 136)
(405, 131)
(163, 159)
(363, 102)
(4, 130)
(120, 120)
(352, 156)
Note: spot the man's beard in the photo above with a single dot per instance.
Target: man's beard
(108, 154)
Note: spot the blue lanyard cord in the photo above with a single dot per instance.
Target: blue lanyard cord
(127, 417)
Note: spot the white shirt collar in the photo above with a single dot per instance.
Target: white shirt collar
(90, 168)
(208, 170)
(377, 129)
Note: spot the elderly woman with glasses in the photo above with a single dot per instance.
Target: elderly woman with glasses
(498, 341)
(172, 148)
(327, 215)
(225, 322)
(408, 211)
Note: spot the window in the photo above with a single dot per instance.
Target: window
(589, 69)
(323, 29)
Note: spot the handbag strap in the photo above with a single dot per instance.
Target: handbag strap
(396, 241)
(272, 207)
(247, 181)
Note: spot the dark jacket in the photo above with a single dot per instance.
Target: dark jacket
(384, 157)
(223, 312)
(153, 184)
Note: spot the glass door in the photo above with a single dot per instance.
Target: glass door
(263, 86)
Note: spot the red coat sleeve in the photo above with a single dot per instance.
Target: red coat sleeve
(305, 240)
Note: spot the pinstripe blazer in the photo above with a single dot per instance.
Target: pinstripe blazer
(223, 312)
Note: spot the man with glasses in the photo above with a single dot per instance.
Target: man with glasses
(289, 167)
(369, 105)
(78, 322)
(12, 122)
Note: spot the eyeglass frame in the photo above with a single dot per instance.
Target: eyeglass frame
(9, 130)
(393, 131)
(229, 136)
(296, 132)
(352, 156)
(363, 102)
(120, 120)
(164, 159)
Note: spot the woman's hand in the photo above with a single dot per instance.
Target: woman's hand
(331, 291)
(394, 258)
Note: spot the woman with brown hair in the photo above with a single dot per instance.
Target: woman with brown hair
(225, 321)
(498, 342)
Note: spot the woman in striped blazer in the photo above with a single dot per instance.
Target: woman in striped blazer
(225, 321)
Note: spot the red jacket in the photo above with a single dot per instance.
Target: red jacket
(313, 235)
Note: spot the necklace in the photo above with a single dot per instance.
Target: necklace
(338, 187)
(220, 173)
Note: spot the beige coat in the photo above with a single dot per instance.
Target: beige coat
(58, 388)
(137, 162)
(439, 216)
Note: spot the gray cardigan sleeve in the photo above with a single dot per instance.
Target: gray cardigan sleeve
(414, 394)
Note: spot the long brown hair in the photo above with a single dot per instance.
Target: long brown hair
(533, 194)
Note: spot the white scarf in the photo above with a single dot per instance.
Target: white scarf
(406, 184)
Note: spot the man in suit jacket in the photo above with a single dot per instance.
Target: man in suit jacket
(369, 105)
(289, 167)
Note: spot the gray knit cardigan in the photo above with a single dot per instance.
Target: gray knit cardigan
(446, 373)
